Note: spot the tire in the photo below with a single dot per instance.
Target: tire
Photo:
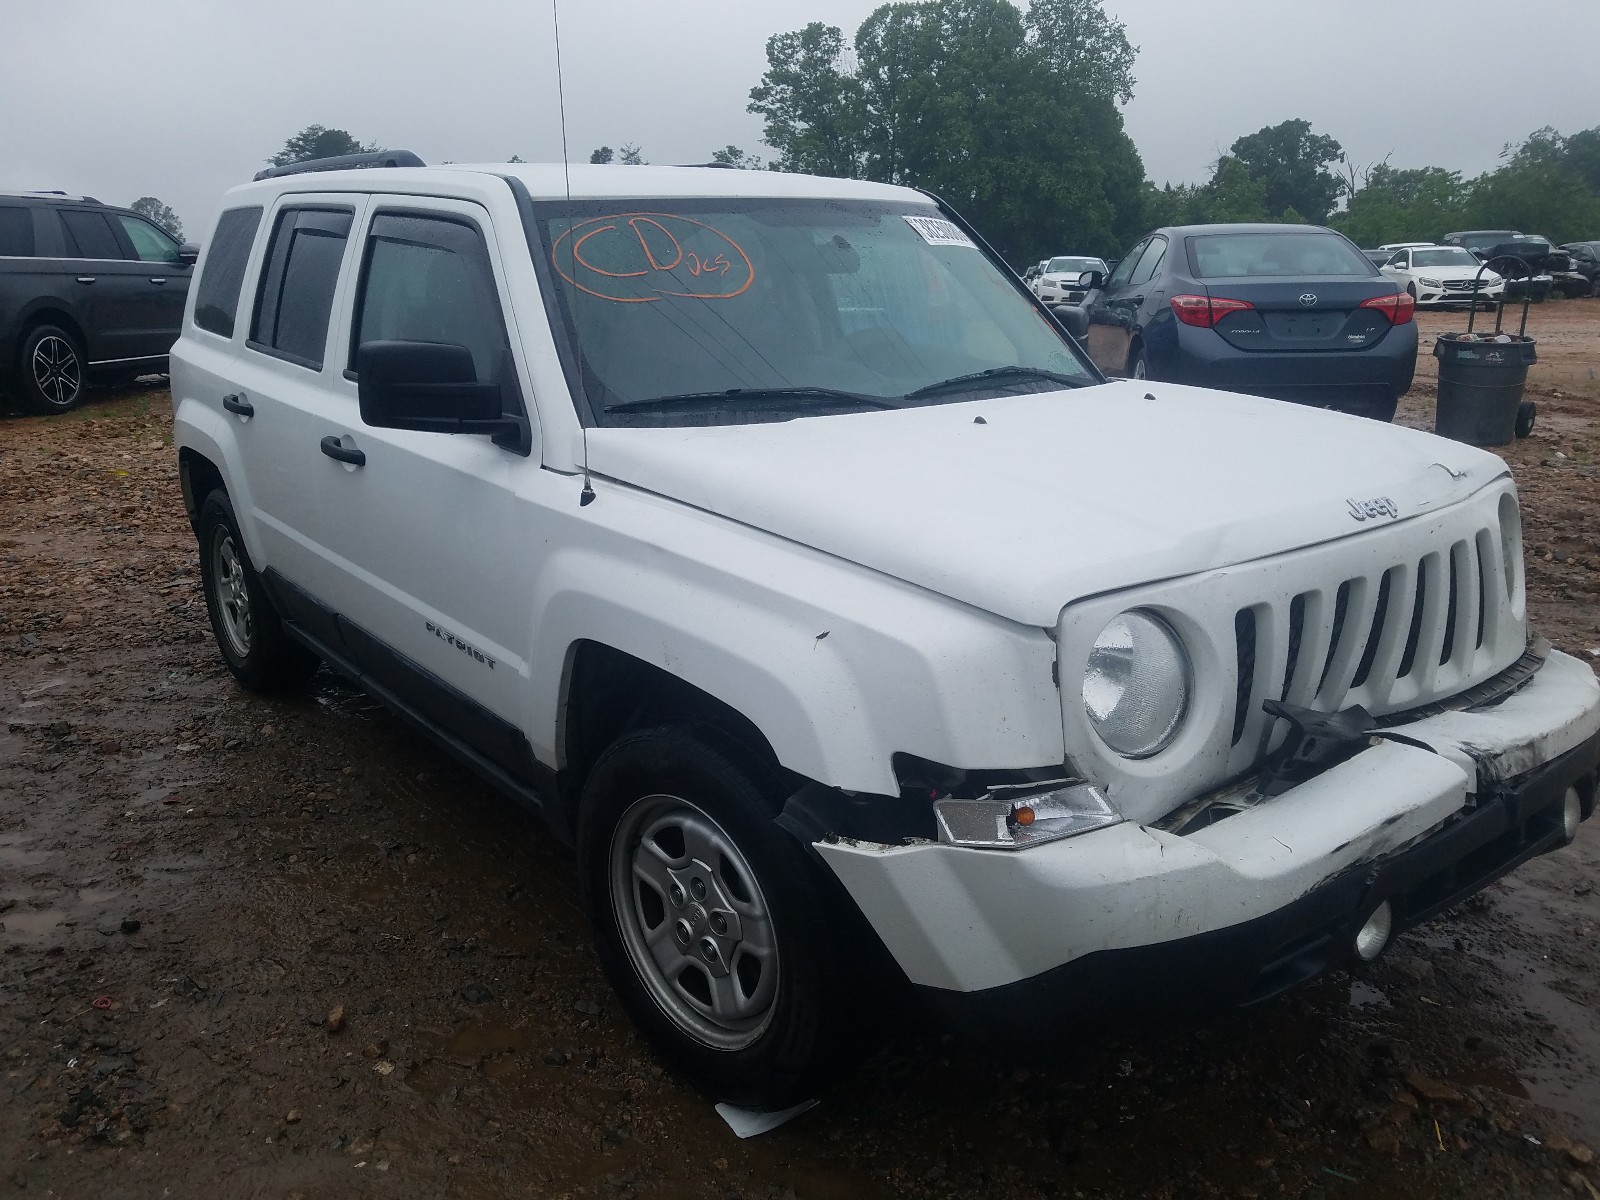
(680, 862)
(1594, 286)
(1527, 414)
(1412, 289)
(52, 373)
(1138, 363)
(252, 639)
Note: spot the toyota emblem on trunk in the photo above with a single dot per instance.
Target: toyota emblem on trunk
(1308, 299)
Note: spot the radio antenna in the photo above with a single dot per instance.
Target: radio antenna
(586, 496)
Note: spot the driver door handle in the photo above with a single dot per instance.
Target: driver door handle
(334, 448)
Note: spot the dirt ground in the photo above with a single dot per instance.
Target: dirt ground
(193, 879)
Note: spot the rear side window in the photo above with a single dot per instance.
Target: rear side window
(89, 235)
(217, 300)
(1239, 255)
(296, 294)
(16, 233)
(428, 279)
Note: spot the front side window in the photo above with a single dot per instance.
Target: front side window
(89, 235)
(729, 310)
(295, 298)
(1149, 262)
(149, 243)
(1125, 268)
(428, 279)
(217, 300)
(1242, 255)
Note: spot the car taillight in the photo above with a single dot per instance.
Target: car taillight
(1205, 311)
(1399, 308)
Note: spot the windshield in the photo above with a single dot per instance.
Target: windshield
(728, 311)
(1445, 256)
(1237, 255)
(1074, 266)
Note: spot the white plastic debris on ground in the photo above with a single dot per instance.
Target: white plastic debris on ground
(747, 1122)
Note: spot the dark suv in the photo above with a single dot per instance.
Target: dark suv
(87, 292)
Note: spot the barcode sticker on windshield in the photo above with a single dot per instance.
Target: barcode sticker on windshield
(936, 231)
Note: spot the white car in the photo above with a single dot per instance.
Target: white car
(755, 529)
(1058, 282)
(1443, 275)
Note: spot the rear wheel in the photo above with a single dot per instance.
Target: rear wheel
(1138, 364)
(715, 927)
(51, 371)
(253, 643)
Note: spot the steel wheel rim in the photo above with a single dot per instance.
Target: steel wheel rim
(694, 922)
(1140, 370)
(233, 593)
(56, 371)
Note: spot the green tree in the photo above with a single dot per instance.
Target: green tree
(1548, 185)
(960, 97)
(1292, 164)
(1413, 204)
(629, 155)
(812, 106)
(317, 141)
(516, 158)
(162, 214)
(602, 156)
(736, 157)
(1083, 47)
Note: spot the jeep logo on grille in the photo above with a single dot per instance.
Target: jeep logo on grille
(1378, 506)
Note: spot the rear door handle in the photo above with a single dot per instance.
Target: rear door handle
(158, 279)
(236, 403)
(87, 278)
(334, 448)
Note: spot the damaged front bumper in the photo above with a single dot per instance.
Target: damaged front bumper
(1131, 922)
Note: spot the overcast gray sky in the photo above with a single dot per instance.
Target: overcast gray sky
(182, 99)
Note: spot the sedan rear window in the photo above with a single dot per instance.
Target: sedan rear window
(1240, 255)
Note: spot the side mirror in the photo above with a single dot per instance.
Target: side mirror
(433, 387)
(1074, 318)
(1091, 281)
(188, 254)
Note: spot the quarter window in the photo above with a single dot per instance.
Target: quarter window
(296, 293)
(428, 279)
(149, 243)
(217, 299)
(16, 232)
(89, 235)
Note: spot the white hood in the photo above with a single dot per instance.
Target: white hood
(1057, 495)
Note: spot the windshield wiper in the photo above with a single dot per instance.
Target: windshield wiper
(998, 373)
(737, 396)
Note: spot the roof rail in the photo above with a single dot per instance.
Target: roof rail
(42, 193)
(344, 162)
(714, 165)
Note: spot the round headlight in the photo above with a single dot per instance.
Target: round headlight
(1136, 686)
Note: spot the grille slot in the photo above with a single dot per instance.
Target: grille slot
(1409, 630)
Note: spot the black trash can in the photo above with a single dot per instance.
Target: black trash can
(1481, 379)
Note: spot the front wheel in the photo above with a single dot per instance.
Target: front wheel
(253, 643)
(714, 926)
(51, 371)
(1138, 364)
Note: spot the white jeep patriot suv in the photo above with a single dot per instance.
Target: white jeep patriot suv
(767, 535)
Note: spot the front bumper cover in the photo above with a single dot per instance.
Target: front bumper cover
(1124, 923)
